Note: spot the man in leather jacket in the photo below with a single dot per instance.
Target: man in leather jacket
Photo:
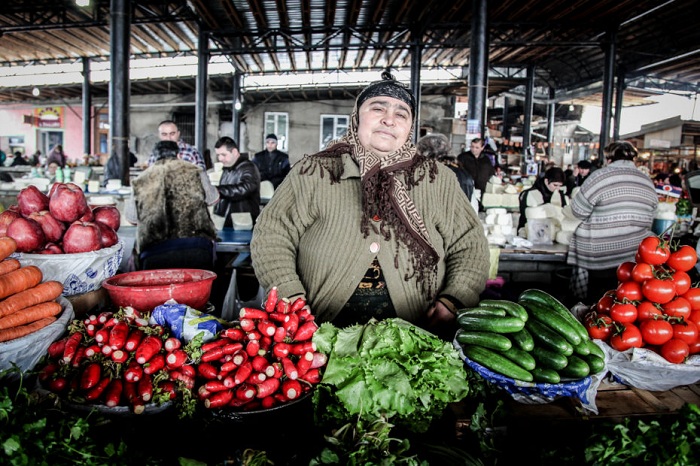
(239, 187)
(273, 164)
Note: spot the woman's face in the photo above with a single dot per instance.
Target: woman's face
(384, 124)
(553, 186)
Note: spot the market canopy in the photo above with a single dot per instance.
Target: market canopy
(657, 42)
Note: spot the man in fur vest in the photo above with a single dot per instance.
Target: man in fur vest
(169, 200)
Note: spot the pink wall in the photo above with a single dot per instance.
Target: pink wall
(12, 124)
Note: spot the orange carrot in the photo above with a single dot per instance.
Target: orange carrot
(19, 280)
(8, 265)
(30, 314)
(43, 292)
(7, 247)
(23, 330)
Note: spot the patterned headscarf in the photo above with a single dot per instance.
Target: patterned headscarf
(385, 185)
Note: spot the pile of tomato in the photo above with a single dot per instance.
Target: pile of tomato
(654, 306)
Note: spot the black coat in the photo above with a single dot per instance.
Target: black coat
(481, 169)
(273, 166)
(239, 190)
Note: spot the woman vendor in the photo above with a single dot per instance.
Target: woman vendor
(369, 229)
(546, 190)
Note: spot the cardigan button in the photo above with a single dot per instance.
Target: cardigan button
(374, 248)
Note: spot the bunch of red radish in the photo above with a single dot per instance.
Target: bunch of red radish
(266, 360)
(118, 360)
(654, 305)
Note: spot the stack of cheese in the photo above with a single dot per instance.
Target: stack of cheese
(569, 223)
(498, 226)
(499, 195)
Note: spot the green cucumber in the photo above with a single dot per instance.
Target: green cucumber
(595, 363)
(520, 357)
(576, 368)
(548, 339)
(544, 375)
(523, 340)
(582, 349)
(513, 309)
(481, 311)
(494, 324)
(549, 359)
(490, 340)
(554, 321)
(596, 350)
(546, 299)
(497, 363)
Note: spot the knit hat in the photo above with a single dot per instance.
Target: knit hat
(388, 87)
(271, 136)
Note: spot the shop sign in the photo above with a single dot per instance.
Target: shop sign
(49, 117)
(660, 143)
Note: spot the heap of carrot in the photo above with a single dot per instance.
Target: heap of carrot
(26, 304)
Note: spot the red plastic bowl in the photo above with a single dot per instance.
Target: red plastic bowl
(146, 289)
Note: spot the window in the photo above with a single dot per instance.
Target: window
(332, 127)
(101, 136)
(277, 123)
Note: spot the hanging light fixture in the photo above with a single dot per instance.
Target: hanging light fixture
(36, 92)
(82, 2)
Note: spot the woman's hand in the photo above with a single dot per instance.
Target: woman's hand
(441, 321)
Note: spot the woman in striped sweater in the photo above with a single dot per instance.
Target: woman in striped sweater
(616, 205)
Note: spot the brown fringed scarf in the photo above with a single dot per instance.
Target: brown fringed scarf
(385, 186)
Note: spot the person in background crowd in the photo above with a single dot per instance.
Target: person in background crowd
(545, 190)
(35, 158)
(57, 156)
(616, 206)
(579, 175)
(437, 146)
(169, 200)
(19, 160)
(367, 228)
(239, 187)
(272, 163)
(132, 159)
(168, 131)
(3, 157)
(477, 164)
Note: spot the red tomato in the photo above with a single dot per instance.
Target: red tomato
(656, 331)
(624, 271)
(679, 307)
(659, 291)
(694, 317)
(630, 337)
(647, 310)
(605, 303)
(642, 272)
(625, 313)
(694, 347)
(693, 297)
(599, 326)
(682, 281)
(653, 251)
(675, 351)
(686, 331)
(683, 259)
(631, 291)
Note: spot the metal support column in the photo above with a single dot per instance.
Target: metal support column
(551, 109)
(608, 86)
(478, 65)
(236, 107)
(506, 126)
(87, 108)
(416, 58)
(200, 112)
(619, 98)
(120, 21)
(527, 108)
